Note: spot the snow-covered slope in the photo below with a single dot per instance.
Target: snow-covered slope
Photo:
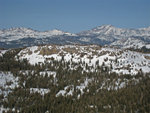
(7, 82)
(117, 60)
(129, 43)
(2, 52)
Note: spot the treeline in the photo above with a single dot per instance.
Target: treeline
(8, 61)
(143, 49)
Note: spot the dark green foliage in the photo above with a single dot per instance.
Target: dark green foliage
(130, 99)
(8, 62)
(143, 50)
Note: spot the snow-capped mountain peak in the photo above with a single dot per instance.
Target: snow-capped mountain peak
(18, 29)
(55, 32)
(103, 30)
(104, 27)
(108, 30)
(114, 31)
(59, 32)
(13, 34)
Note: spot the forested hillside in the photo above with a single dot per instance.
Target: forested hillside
(76, 84)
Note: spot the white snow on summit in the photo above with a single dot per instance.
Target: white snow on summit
(20, 33)
(111, 30)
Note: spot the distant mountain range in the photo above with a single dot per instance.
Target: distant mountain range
(102, 35)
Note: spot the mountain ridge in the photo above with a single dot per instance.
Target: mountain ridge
(101, 26)
(101, 35)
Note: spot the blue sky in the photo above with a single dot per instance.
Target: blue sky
(74, 15)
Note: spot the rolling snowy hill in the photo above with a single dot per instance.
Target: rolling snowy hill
(117, 60)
